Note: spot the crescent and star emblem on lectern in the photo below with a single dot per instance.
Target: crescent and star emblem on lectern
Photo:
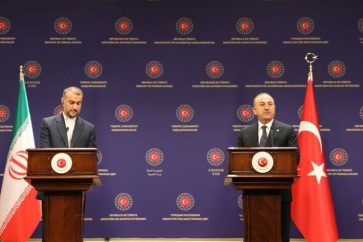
(262, 162)
(61, 163)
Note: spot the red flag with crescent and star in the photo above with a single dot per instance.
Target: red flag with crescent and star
(312, 207)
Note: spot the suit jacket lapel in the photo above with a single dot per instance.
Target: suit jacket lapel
(61, 127)
(274, 134)
(254, 137)
(78, 128)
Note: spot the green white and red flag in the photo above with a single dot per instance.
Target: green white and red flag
(20, 211)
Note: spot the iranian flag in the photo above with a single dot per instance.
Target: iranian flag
(20, 212)
(312, 207)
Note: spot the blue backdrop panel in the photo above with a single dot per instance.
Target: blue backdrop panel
(169, 84)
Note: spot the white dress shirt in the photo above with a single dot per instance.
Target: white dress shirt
(70, 123)
(260, 130)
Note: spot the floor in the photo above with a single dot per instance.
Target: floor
(184, 240)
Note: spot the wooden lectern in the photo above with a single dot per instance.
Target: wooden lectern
(261, 172)
(63, 176)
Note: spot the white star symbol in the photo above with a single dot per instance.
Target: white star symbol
(318, 171)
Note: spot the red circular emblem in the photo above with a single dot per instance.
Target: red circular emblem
(5, 25)
(154, 156)
(154, 69)
(123, 201)
(185, 201)
(338, 156)
(124, 25)
(336, 69)
(93, 69)
(244, 26)
(4, 113)
(245, 113)
(58, 109)
(305, 25)
(214, 69)
(215, 157)
(61, 163)
(63, 25)
(185, 113)
(275, 69)
(184, 26)
(124, 113)
(262, 162)
(32, 69)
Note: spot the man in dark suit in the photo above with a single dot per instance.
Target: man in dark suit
(277, 134)
(68, 129)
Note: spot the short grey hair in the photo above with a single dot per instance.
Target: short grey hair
(260, 94)
(75, 90)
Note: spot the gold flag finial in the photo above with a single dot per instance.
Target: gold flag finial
(21, 73)
(310, 58)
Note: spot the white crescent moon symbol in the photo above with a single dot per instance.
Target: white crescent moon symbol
(310, 127)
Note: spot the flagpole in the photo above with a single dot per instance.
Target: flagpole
(21, 74)
(310, 58)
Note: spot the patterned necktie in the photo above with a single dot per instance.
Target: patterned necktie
(263, 137)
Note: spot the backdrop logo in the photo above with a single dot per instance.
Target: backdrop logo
(244, 26)
(215, 157)
(305, 25)
(184, 26)
(154, 156)
(245, 113)
(184, 113)
(93, 69)
(4, 113)
(32, 69)
(18, 165)
(338, 156)
(240, 201)
(300, 111)
(275, 69)
(99, 156)
(123, 201)
(124, 113)
(214, 69)
(5, 25)
(336, 69)
(58, 110)
(360, 25)
(154, 69)
(124, 25)
(185, 201)
(63, 25)
(361, 112)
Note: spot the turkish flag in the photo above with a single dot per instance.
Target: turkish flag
(312, 207)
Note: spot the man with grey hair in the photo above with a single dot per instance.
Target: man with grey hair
(269, 132)
(68, 130)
